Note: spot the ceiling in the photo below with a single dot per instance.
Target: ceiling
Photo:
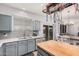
(31, 7)
(36, 8)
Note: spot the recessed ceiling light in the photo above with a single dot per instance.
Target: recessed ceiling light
(42, 4)
(24, 8)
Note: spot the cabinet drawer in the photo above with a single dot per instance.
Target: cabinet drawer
(11, 43)
(31, 40)
(22, 42)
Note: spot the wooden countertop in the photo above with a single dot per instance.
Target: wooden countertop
(59, 48)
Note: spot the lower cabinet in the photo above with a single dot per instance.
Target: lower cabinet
(22, 48)
(11, 49)
(41, 52)
(31, 45)
(1, 51)
(18, 48)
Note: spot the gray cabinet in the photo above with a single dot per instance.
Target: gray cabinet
(22, 47)
(5, 23)
(36, 25)
(1, 51)
(11, 49)
(18, 48)
(42, 52)
(31, 45)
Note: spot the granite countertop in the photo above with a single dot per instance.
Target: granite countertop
(69, 36)
(2, 41)
(64, 36)
(8, 40)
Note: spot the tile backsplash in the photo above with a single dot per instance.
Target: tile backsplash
(22, 26)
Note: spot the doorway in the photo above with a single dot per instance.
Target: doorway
(48, 32)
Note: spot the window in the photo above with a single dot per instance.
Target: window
(62, 29)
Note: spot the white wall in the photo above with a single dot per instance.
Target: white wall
(4, 9)
(73, 17)
(73, 29)
(56, 26)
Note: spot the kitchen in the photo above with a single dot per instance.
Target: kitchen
(46, 30)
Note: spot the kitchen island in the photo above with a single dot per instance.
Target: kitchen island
(57, 48)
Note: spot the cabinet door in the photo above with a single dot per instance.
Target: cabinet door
(31, 45)
(1, 51)
(11, 50)
(22, 48)
(5, 23)
(36, 25)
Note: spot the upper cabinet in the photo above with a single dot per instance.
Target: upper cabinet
(6, 22)
(36, 25)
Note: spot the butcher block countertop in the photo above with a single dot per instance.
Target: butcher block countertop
(58, 48)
